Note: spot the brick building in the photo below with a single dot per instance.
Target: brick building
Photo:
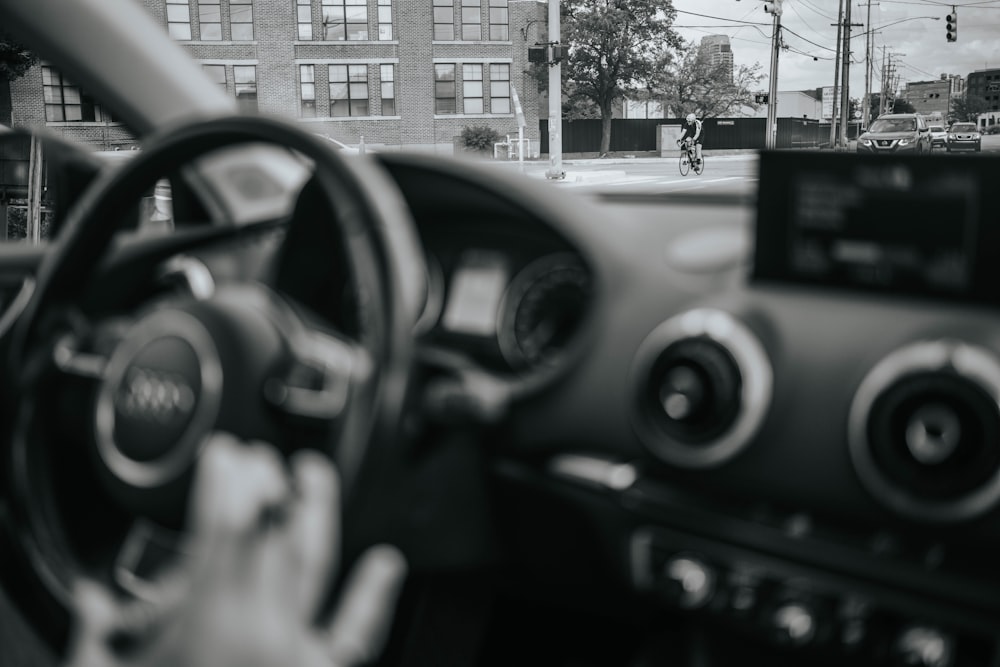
(930, 98)
(396, 72)
(985, 83)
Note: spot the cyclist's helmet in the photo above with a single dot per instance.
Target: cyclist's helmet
(690, 118)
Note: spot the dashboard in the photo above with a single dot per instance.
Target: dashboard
(777, 420)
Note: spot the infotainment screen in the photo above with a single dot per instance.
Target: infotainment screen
(925, 225)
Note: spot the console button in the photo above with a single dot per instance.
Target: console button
(922, 646)
(691, 582)
(794, 623)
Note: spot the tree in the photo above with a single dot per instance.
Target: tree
(968, 108)
(615, 48)
(15, 61)
(899, 105)
(695, 85)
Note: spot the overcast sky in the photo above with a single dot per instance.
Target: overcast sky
(922, 50)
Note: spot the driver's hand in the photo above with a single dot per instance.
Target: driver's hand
(264, 543)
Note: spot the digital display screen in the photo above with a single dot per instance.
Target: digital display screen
(917, 225)
(477, 286)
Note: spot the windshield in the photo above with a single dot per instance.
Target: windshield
(894, 125)
(963, 127)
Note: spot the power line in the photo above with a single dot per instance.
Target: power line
(809, 5)
(720, 18)
(787, 29)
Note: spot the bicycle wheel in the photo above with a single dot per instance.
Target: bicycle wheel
(684, 164)
(699, 166)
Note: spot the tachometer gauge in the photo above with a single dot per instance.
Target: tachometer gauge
(542, 309)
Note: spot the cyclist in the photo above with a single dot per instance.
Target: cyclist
(692, 132)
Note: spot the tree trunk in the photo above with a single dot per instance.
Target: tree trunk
(6, 108)
(605, 129)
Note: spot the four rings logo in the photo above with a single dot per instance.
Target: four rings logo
(155, 396)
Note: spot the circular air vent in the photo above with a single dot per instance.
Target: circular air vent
(924, 431)
(703, 385)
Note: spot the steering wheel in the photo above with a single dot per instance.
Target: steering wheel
(108, 413)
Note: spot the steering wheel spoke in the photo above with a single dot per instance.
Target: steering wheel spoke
(86, 353)
(318, 385)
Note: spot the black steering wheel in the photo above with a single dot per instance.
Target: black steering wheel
(108, 413)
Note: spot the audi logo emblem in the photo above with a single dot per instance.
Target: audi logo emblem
(155, 396)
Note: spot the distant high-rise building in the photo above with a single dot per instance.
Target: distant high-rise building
(717, 50)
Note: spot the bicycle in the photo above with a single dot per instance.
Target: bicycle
(689, 159)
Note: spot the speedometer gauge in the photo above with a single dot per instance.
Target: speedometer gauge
(542, 309)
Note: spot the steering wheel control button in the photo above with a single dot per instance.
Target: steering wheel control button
(924, 431)
(160, 395)
(702, 383)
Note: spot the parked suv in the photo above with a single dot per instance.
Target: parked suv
(964, 137)
(896, 133)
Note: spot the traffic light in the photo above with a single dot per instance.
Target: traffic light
(760, 98)
(551, 54)
(952, 25)
(538, 54)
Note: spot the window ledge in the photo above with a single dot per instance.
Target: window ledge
(446, 116)
(81, 123)
(218, 42)
(323, 119)
(344, 42)
(477, 42)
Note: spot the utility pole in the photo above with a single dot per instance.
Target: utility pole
(555, 97)
(866, 103)
(885, 85)
(772, 96)
(836, 79)
(845, 78)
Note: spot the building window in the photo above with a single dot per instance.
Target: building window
(500, 88)
(499, 21)
(345, 20)
(179, 19)
(472, 88)
(216, 73)
(303, 15)
(444, 20)
(66, 102)
(245, 78)
(444, 89)
(472, 28)
(210, 18)
(384, 19)
(348, 90)
(307, 91)
(387, 75)
(241, 20)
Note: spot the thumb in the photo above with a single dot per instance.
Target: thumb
(361, 623)
(96, 619)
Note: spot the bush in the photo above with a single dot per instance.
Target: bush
(479, 138)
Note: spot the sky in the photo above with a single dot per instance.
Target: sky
(918, 44)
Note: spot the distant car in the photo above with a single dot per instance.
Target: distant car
(964, 137)
(939, 136)
(896, 133)
(340, 145)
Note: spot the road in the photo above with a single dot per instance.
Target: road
(730, 174)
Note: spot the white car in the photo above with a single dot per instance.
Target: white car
(939, 136)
